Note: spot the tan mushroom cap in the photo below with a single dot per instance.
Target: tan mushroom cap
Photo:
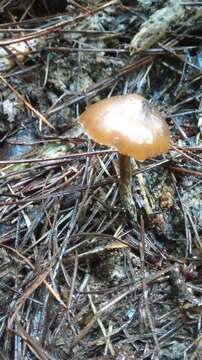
(130, 124)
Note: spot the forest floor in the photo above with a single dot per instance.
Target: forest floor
(78, 278)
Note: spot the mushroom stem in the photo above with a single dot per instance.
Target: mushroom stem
(125, 185)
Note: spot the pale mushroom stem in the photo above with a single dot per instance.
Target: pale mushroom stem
(125, 186)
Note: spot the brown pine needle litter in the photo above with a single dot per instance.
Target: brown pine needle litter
(79, 277)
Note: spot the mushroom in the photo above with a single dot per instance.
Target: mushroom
(131, 125)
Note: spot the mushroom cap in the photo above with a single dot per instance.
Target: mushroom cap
(128, 123)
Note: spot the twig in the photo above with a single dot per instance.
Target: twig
(59, 159)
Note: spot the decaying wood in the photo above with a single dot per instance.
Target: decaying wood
(159, 23)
